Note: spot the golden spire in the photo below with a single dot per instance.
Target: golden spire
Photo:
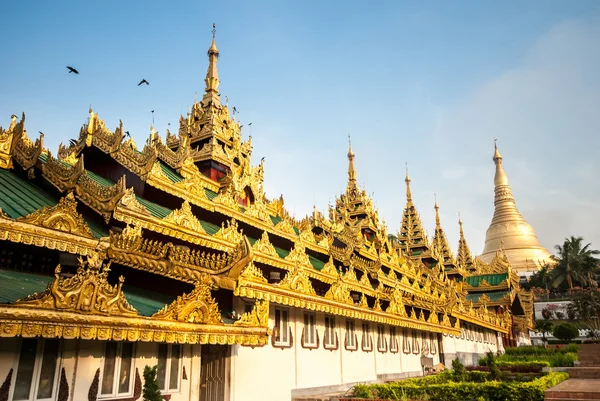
(407, 181)
(464, 257)
(211, 94)
(351, 171)
(509, 230)
(437, 212)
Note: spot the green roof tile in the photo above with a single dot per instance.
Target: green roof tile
(282, 252)
(171, 174)
(317, 264)
(19, 197)
(276, 220)
(494, 296)
(99, 179)
(157, 210)
(211, 229)
(210, 194)
(147, 303)
(492, 279)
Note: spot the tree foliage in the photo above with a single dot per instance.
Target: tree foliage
(151, 391)
(543, 326)
(565, 331)
(575, 264)
(585, 306)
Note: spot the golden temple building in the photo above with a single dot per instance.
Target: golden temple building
(509, 231)
(115, 256)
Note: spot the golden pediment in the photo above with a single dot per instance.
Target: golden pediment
(184, 217)
(264, 246)
(253, 273)
(88, 291)
(297, 280)
(257, 317)
(129, 201)
(396, 305)
(61, 217)
(229, 232)
(329, 268)
(340, 292)
(196, 307)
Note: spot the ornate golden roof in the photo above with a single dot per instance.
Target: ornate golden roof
(509, 230)
(440, 244)
(464, 256)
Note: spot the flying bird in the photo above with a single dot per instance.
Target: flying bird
(127, 134)
(41, 132)
(71, 69)
(249, 124)
(234, 110)
(143, 81)
(72, 142)
(263, 159)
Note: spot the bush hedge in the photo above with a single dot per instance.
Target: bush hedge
(539, 350)
(565, 359)
(462, 391)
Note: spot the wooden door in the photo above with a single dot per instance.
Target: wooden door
(214, 373)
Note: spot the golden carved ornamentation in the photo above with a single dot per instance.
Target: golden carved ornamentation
(299, 257)
(129, 201)
(286, 227)
(229, 232)
(253, 273)
(184, 217)
(257, 317)
(196, 307)
(63, 176)
(101, 198)
(363, 301)
(350, 276)
(329, 268)
(396, 305)
(340, 292)
(62, 217)
(86, 292)
(364, 281)
(9, 139)
(26, 152)
(377, 305)
(392, 276)
(264, 246)
(297, 280)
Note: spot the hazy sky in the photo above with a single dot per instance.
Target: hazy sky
(427, 83)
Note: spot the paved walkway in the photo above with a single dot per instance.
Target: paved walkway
(574, 390)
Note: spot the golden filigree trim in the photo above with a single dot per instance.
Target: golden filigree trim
(196, 307)
(185, 218)
(257, 317)
(86, 292)
(61, 217)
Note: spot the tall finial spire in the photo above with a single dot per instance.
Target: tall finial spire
(212, 75)
(351, 171)
(407, 181)
(437, 212)
(500, 178)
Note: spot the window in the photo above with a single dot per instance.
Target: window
(367, 345)
(350, 335)
(329, 340)
(37, 370)
(393, 340)
(433, 340)
(118, 370)
(281, 327)
(381, 343)
(169, 362)
(416, 349)
(310, 336)
(405, 342)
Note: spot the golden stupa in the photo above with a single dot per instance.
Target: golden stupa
(509, 231)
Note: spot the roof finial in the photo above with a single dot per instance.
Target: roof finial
(351, 171)
(407, 181)
(212, 75)
(437, 211)
(500, 178)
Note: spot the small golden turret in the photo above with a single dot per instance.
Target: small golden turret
(509, 230)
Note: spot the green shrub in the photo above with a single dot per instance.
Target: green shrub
(565, 331)
(453, 391)
(458, 370)
(539, 350)
(565, 359)
(151, 390)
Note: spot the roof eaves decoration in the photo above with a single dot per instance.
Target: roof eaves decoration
(86, 292)
(131, 249)
(62, 217)
(9, 139)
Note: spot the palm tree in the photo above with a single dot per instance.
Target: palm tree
(575, 262)
(542, 278)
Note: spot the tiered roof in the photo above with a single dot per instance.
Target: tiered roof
(191, 213)
(442, 249)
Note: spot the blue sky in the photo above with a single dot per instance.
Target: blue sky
(427, 83)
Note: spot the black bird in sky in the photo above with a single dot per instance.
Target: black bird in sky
(127, 134)
(72, 142)
(249, 124)
(143, 81)
(41, 133)
(71, 69)
(234, 110)
(263, 159)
